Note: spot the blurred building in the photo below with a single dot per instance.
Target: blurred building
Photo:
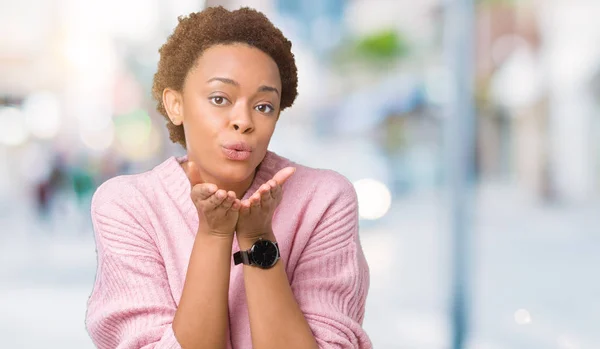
(537, 118)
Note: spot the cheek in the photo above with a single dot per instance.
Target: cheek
(267, 131)
(201, 119)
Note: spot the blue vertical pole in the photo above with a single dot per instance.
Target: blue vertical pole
(459, 127)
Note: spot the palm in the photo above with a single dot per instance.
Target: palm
(218, 210)
(256, 213)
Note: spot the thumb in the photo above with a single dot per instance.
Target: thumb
(283, 175)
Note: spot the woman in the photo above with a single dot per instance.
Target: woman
(208, 250)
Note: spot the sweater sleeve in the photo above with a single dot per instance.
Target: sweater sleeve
(331, 279)
(131, 305)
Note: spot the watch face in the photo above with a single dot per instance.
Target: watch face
(264, 253)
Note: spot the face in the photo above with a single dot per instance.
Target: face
(229, 107)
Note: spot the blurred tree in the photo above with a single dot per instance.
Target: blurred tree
(384, 45)
(376, 51)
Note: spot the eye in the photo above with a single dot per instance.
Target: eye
(264, 108)
(218, 100)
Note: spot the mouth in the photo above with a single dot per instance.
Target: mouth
(237, 146)
(238, 151)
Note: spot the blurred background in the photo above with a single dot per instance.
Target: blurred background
(477, 209)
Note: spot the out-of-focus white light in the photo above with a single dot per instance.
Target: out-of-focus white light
(133, 19)
(13, 131)
(38, 156)
(522, 317)
(565, 342)
(137, 138)
(97, 115)
(92, 58)
(42, 115)
(519, 81)
(98, 139)
(374, 198)
(133, 130)
(144, 151)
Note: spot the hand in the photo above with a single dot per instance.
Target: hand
(256, 212)
(218, 210)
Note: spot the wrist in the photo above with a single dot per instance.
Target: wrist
(217, 239)
(245, 241)
(205, 230)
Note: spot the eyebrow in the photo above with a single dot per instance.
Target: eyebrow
(265, 88)
(262, 88)
(224, 80)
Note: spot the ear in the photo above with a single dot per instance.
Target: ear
(173, 102)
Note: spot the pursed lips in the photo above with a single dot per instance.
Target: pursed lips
(238, 146)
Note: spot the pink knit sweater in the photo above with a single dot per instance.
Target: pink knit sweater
(145, 226)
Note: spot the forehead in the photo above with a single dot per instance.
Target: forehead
(240, 62)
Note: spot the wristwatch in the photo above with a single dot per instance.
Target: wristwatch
(263, 254)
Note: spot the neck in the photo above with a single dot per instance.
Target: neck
(238, 188)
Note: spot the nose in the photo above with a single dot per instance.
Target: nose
(241, 120)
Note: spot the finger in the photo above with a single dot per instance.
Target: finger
(274, 187)
(276, 192)
(255, 200)
(245, 203)
(283, 175)
(218, 198)
(265, 194)
(236, 205)
(228, 202)
(272, 183)
(207, 190)
(203, 191)
(254, 203)
(264, 188)
(193, 173)
(244, 208)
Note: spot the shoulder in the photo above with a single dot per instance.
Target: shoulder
(121, 190)
(323, 184)
(119, 212)
(131, 190)
(328, 183)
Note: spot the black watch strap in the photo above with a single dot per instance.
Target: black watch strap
(241, 257)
